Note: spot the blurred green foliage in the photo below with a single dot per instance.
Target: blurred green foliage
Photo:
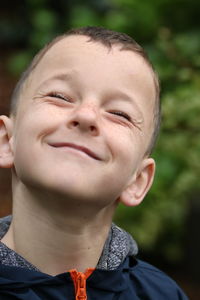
(170, 32)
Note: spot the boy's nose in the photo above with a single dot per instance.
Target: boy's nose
(85, 118)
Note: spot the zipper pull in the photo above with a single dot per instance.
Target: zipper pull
(79, 280)
(81, 287)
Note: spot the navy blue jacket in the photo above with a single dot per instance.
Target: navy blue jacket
(133, 280)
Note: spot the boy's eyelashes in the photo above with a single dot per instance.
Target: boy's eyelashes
(61, 96)
(121, 114)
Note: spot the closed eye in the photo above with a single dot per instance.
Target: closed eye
(59, 96)
(121, 114)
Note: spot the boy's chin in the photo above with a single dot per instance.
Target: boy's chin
(69, 193)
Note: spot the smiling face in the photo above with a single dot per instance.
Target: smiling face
(84, 120)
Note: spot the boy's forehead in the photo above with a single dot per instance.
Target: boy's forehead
(71, 45)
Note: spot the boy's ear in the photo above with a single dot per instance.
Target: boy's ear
(6, 154)
(140, 184)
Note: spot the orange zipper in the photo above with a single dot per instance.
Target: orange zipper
(79, 280)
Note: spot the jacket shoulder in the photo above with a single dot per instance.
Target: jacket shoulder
(149, 280)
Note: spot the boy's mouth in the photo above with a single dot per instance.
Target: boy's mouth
(77, 147)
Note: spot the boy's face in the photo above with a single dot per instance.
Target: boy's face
(84, 120)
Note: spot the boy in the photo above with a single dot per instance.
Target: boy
(84, 118)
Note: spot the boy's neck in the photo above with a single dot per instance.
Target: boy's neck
(56, 241)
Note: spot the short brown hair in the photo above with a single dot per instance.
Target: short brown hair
(108, 38)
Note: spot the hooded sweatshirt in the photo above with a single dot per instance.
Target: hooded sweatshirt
(118, 275)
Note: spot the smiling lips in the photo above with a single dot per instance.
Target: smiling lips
(77, 147)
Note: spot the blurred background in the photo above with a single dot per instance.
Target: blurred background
(167, 224)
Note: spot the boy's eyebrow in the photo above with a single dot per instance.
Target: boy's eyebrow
(60, 76)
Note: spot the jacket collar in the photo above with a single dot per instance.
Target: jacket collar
(113, 280)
